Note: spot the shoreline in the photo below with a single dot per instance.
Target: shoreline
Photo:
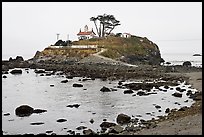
(175, 123)
(189, 123)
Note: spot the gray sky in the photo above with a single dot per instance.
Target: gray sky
(31, 26)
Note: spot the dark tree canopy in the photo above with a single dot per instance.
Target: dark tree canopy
(104, 24)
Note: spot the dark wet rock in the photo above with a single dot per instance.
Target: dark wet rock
(4, 72)
(91, 121)
(157, 106)
(120, 83)
(166, 87)
(178, 88)
(176, 94)
(81, 127)
(74, 105)
(19, 58)
(113, 89)
(48, 131)
(123, 118)
(140, 93)
(167, 110)
(61, 120)
(89, 132)
(6, 114)
(4, 76)
(128, 91)
(37, 123)
(64, 81)
(24, 110)
(105, 89)
(106, 124)
(85, 79)
(115, 129)
(39, 71)
(77, 85)
(104, 119)
(186, 101)
(69, 77)
(39, 110)
(183, 108)
(53, 134)
(41, 74)
(132, 128)
(134, 95)
(48, 74)
(182, 90)
(197, 54)
(187, 64)
(51, 85)
(16, 71)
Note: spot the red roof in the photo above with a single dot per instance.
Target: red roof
(86, 33)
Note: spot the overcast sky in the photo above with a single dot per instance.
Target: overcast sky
(31, 26)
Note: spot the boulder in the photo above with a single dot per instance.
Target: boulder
(74, 105)
(39, 71)
(176, 94)
(24, 110)
(105, 89)
(37, 123)
(16, 71)
(116, 129)
(77, 85)
(128, 91)
(64, 81)
(107, 124)
(123, 118)
(89, 132)
(61, 120)
(19, 58)
(187, 64)
(167, 110)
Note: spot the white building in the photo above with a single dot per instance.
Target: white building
(86, 34)
(126, 35)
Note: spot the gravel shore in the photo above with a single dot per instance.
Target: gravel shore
(190, 123)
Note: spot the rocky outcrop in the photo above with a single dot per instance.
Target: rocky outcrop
(123, 118)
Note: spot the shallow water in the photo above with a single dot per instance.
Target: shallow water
(34, 90)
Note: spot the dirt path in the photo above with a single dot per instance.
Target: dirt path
(188, 125)
(97, 58)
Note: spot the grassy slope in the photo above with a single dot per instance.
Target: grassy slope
(118, 46)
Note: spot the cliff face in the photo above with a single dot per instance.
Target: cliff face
(134, 50)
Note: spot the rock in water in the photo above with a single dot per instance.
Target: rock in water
(16, 71)
(77, 85)
(105, 89)
(176, 94)
(123, 118)
(128, 91)
(24, 110)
